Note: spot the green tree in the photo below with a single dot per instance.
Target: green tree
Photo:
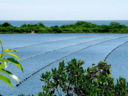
(40, 24)
(72, 80)
(56, 29)
(6, 24)
(116, 25)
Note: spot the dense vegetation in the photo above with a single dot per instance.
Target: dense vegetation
(72, 79)
(78, 27)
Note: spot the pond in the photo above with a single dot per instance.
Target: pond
(42, 52)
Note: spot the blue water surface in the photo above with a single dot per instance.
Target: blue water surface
(39, 50)
(61, 22)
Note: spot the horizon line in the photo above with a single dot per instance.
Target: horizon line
(72, 20)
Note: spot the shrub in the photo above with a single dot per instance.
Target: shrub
(72, 79)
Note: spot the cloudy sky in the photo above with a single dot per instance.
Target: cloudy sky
(63, 9)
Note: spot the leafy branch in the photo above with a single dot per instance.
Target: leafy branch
(4, 63)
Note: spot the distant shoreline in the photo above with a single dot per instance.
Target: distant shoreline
(77, 27)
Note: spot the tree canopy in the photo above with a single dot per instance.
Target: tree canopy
(78, 27)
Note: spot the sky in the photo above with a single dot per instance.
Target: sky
(63, 9)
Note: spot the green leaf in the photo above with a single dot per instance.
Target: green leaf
(6, 80)
(1, 66)
(1, 55)
(12, 60)
(1, 46)
(4, 62)
(10, 74)
(9, 50)
(14, 56)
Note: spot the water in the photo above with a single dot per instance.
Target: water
(39, 50)
(59, 23)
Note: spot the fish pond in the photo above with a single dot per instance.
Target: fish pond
(42, 52)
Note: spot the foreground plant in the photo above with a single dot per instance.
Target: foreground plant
(72, 80)
(5, 60)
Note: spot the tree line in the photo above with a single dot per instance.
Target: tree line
(78, 27)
